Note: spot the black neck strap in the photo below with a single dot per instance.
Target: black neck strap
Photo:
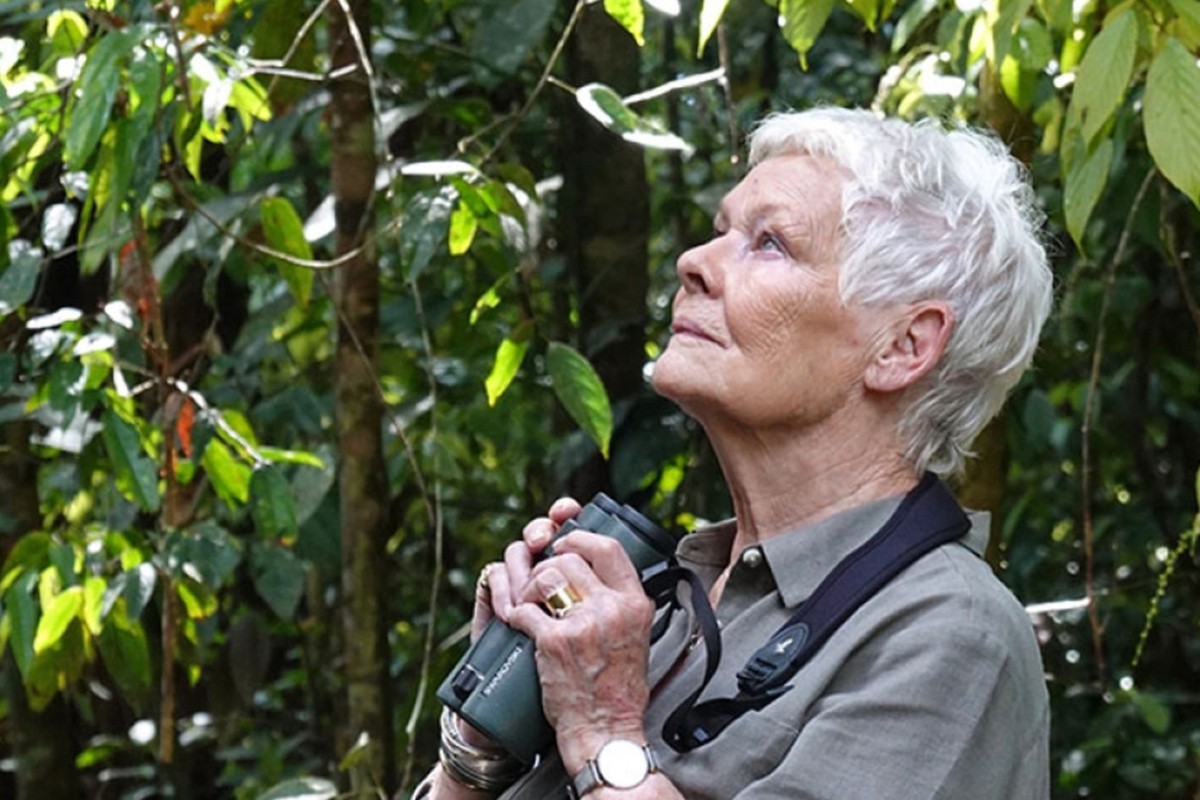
(927, 518)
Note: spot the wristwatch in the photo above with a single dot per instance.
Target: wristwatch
(620, 764)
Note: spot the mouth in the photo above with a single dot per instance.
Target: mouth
(686, 329)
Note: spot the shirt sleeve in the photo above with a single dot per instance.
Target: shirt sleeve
(932, 712)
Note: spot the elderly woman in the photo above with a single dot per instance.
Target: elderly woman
(871, 293)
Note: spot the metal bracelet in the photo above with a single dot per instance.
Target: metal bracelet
(478, 768)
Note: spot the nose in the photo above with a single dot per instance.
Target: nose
(697, 269)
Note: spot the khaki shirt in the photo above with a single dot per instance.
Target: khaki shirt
(932, 690)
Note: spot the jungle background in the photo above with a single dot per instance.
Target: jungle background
(306, 307)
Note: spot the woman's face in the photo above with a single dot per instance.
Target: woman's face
(760, 337)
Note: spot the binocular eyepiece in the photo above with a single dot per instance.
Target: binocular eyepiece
(494, 686)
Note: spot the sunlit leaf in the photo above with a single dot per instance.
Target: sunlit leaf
(1172, 117)
(463, 224)
(607, 108)
(230, 477)
(56, 616)
(508, 360)
(802, 22)
(20, 279)
(631, 16)
(67, 31)
(710, 16)
(581, 392)
(1104, 75)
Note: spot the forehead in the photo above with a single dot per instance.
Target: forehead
(806, 186)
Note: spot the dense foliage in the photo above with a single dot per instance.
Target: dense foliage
(172, 561)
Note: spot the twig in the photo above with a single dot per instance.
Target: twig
(1085, 432)
(689, 82)
(1167, 237)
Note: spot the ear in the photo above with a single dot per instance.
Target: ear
(912, 347)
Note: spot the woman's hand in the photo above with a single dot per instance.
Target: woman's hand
(496, 596)
(592, 662)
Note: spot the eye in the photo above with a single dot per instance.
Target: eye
(768, 242)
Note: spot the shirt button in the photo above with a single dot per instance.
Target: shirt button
(752, 557)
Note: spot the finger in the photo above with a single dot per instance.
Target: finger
(563, 509)
(605, 556)
(538, 533)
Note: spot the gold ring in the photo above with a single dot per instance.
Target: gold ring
(562, 600)
(482, 585)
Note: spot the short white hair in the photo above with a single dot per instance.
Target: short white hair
(935, 213)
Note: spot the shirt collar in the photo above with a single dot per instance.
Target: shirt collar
(800, 559)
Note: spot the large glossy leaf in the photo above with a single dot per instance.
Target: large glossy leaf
(1104, 75)
(426, 227)
(136, 474)
(1172, 117)
(126, 655)
(205, 552)
(97, 88)
(581, 392)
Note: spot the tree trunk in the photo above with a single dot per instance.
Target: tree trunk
(606, 213)
(362, 483)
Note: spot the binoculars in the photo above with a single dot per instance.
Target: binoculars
(495, 687)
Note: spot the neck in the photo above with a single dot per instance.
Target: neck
(784, 479)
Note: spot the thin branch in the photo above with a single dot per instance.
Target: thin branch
(1167, 236)
(689, 82)
(510, 123)
(730, 113)
(1085, 432)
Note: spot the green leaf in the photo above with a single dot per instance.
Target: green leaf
(230, 477)
(278, 455)
(509, 356)
(20, 279)
(803, 21)
(126, 655)
(135, 585)
(88, 116)
(1153, 711)
(868, 10)
(1104, 74)
(284, 231)
(8, 370)
(67, 31)
(30, 553)
(22, 613)
(1084, 185)
(93, 602)
(1189, 18)
(1172, 117)
(463, 224)
(581, 392)
(62, 609)
(137, 475)
(910, 20)
(272, 504)
(279, 578)
(710, 17)
(301, 789)
(631, 15)
(607, 108)
(509, 31)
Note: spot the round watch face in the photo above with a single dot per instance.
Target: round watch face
(622, 764)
